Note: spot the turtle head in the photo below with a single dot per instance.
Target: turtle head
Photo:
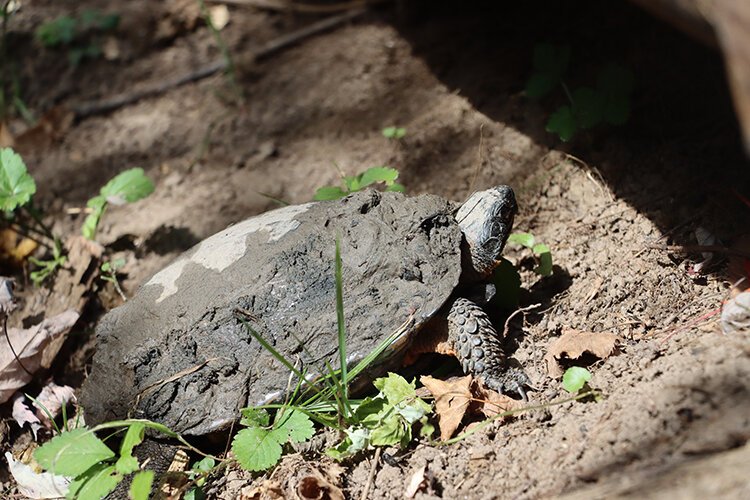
(486, 220)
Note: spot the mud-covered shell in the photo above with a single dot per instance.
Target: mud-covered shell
(177, 354)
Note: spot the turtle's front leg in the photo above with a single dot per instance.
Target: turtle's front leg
(479, 348)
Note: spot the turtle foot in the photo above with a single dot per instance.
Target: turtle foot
(479, 349)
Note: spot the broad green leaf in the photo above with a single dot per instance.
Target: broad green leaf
(562, 122)
(72, 453)
(414, 410)
(427, 429)
(296, 426)
(523, 239)
(127, 187)
(395, 388)
(392, 430)
(127, 463)
(588, 107)
(255, 417)
(370, 410)
(204, 465)
(329, 193)
(140, 487)
(95, 484)
(545, 259)
(16, 185)
(256, 449)
(378, 174)
(575, 378)
(399, 188)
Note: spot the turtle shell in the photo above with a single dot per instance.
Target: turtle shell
(176, 352)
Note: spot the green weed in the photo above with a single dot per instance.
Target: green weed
(607, 102)
(351, 184)
(80, 35)
(394, 132)
(575, 378)
(541, 251)
(17, 189)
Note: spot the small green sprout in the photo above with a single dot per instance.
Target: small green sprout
(575, 378)
(351, 184)
(126, 187)
(394, 132)
(78, 34)
(540, 250)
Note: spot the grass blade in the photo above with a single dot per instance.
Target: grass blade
(344, 381)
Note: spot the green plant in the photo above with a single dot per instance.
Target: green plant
(17, 188)
(607, 102)
(351, 184)
(575, 378)
(108, 272)
(541, 251)
(394, 132)
(96, 469)
(79, 34)
(126, 187)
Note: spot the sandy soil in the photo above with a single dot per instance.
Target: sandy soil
(674, 419)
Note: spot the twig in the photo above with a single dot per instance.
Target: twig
(518, 311)
(7, 337)
(371, 478)
(90, 108)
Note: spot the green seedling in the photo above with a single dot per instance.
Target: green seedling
(80, 34)
(394, 132)
(351, 184)
(108, 272)
(575, 378)
(607, 102)
(17, 188)
(127, 187)
(541, 251)
(198, 474)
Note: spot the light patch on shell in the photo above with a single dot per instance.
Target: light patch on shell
(226, 247)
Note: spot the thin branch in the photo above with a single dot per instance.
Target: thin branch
(90, 108)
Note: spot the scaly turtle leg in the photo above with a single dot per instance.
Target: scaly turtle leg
(479, 349)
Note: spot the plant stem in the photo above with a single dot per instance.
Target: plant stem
(223, 48)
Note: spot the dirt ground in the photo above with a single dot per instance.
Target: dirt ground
(675, 415)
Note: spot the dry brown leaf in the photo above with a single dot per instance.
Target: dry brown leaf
(50, 128)
(452, 398)
(573, 343)
(30, 345)
(15, 248)
(491, 403)
(735, 315)
(23, 415)
(416, 483)
(314, 487)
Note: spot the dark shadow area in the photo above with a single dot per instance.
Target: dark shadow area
(679, 157)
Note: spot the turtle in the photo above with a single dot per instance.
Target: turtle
(179, 354)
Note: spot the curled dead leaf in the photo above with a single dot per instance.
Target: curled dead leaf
(572, 344)
(417, 482)
(735, 315)
(30, 345)
(315, 487)
(491, 403)
(452, 398)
